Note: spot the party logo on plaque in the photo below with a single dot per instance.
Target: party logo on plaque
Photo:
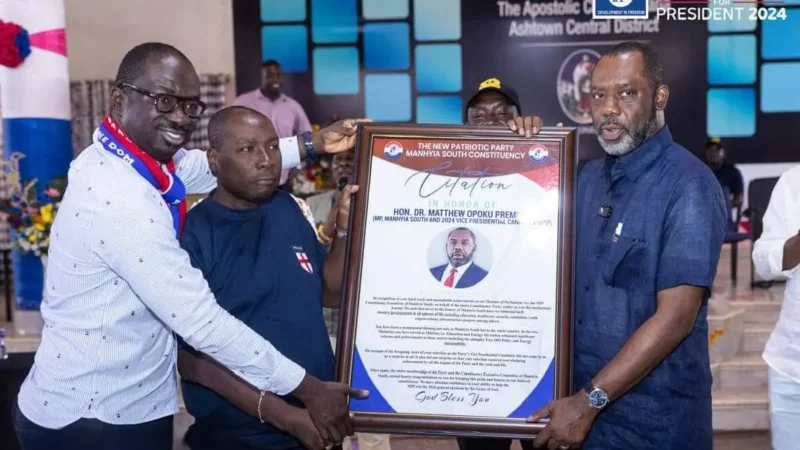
(305, 263)
(538, 153)
(393, 150)
(574, 85)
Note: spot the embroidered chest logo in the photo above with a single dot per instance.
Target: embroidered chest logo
(302, 258)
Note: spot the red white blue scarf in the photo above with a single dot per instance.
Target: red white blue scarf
(116, 142)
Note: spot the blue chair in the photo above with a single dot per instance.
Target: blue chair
(733, 236)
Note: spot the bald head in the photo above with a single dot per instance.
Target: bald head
(134, 63)
(224, 122)
(244, 155)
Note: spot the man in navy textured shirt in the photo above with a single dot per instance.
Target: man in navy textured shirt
(260, 255)
(651, 221)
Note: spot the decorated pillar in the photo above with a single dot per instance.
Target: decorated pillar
(35, 100)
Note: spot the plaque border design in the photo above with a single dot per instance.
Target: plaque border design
(443, 425)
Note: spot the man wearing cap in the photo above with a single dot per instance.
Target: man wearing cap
(727, 174)
(493, 103)
(496, 103)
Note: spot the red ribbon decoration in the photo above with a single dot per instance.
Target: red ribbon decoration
(51, 40)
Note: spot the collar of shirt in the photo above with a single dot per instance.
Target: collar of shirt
(634, 164)
(460, 271)
(281, 98)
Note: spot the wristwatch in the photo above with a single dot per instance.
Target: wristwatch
(308, 145)
(598, 398)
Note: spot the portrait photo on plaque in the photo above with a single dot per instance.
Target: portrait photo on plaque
(459, 257)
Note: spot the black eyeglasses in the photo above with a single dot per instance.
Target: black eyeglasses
(166, 103)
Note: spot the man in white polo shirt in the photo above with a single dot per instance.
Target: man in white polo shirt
(777, 253)
(119, 285)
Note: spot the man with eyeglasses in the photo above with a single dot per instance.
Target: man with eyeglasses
(118, 285)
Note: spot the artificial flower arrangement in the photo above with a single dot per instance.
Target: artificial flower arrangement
(315, 178)
(312, 179)
(29, 213)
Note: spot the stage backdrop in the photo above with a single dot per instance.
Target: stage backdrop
(418, 60)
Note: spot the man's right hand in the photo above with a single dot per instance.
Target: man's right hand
(791, 252)
(337, 137)
(527, 126)
(326, 403)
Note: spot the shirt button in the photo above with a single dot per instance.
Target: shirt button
(586, 288)
(580, 322)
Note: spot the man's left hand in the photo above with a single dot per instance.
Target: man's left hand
(338, 137)
(526, 126)
(343, 207)
(571, 419)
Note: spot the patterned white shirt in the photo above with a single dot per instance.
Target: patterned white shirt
(117, 286)
(781, 222)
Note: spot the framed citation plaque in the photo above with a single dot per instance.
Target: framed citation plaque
(458, 292)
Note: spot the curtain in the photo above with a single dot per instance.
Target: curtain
(91, 100)
(212, 93)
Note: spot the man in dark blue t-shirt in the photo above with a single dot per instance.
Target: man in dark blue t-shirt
(261, 257)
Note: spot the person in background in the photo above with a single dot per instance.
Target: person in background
(119, 288)
(342, 166)
(728, 175)
(277, 287)
(285, 113)
(493, 103)
(777, 253)
(496, 103)
(650, 221)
